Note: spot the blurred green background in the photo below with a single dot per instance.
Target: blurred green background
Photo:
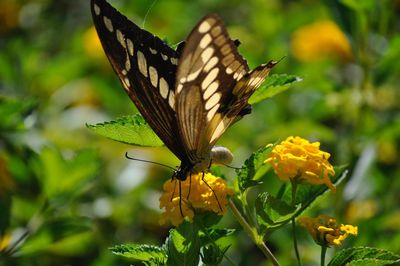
(66, 194)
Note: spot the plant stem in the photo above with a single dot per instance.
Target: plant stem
(323, 252)
(296, 249)
(253, 234)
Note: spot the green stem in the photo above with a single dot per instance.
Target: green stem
(296, 249)
(253, 234)
(323, 252)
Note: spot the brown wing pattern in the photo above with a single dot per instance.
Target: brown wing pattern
(212, 86)
(146, 67)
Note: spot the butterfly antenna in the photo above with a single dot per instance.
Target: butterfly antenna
(146, 161)
(148, 11)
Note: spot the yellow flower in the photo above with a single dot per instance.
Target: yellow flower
(319, 40)
(201, 197)
(325, 232)
(92, 45)
(297, 159)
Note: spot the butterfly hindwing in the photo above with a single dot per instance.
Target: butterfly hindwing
(213, 86)
(146, 67)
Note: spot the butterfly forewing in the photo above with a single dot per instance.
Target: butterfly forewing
(146, 67)
(189, 96)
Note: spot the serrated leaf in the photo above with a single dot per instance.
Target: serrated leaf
(308, 193)
(251, 166)
(184, 245)
(364, 256)
(132, 130)
(272, 86)
(140, 252)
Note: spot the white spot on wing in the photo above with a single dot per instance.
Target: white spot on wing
(127, 83)
(164, 57)
(211, 63)
(153, 51)
(204, 27)
(206, 54)
(171, 100)
(179, 88)
(124, 72)
(209, 78)
(213, 100)
(164, 88)
(121, 38)
(174, 61)
(142, 63)
(212, 112)
(210, 90)
(153, 76)
(205, 41)
(96, 9)
(108, 24)
(127, 64)
(130, 46)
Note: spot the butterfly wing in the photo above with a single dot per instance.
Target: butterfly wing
(146, 67)
(213, 86)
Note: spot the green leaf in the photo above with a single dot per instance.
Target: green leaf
(141, 252)
(184, 245)
(251, 168)
(365, 256)
(308, 193)
(132, 130)
(272, 86)
(213, 255)
(65, 177)
(13, 113)
(273, 212)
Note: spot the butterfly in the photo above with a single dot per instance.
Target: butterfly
(189, 95)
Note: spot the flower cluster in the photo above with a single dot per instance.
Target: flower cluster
(325, 232)
(319, 40)
(196, 195)
(296, 159)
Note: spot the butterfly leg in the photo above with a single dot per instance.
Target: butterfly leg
(190, 185)
(215, 195)
(180, 197)
(173, 193)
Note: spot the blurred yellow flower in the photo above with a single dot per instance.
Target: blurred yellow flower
(201, 197)
(325, 232)
(296, 159)
(4, 241)
(320, 40)
(92, 44)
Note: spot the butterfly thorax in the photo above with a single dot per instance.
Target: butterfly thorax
(218, 155)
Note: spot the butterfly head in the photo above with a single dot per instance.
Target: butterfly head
(219, 155)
